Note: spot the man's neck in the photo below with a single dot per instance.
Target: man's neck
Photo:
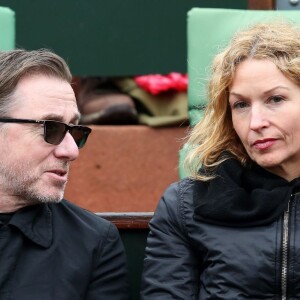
(11, 204)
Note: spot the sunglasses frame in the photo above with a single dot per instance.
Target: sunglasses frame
(86, 130)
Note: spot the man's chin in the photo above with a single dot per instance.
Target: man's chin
(47, 197)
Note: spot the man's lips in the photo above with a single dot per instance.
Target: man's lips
(58, 174)
(264, 144)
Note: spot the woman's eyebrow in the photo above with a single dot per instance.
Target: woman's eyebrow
(275, 88)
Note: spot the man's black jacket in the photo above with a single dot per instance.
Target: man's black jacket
(61, 252)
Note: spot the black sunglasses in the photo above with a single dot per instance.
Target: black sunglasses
(55, 131)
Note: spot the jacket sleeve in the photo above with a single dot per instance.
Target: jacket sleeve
(109, 279)
(170, 265)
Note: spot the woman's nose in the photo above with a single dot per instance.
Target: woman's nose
(259, 118)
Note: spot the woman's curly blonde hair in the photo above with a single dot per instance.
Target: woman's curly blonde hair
(214, 135)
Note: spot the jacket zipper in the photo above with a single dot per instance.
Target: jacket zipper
(285, 239)
(285, 245)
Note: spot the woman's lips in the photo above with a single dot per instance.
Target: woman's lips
(264, 144)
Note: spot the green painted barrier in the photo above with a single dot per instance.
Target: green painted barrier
(7, 29)
(110, 38)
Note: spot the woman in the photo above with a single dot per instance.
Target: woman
(232, 230)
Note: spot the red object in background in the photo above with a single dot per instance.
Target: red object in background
(157, 83)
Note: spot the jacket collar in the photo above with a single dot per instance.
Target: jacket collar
(242, 197)
(35, 222)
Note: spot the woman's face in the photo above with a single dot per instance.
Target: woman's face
(265, 108)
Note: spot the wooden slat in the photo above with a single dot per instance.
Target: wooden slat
(128, 220)
(124, 164)
(261, 4)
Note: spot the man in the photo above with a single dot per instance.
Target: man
(49, 248)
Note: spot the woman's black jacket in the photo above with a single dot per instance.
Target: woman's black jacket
(234, 237)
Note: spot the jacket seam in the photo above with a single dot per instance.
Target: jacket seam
(99, 252)
(181, 211)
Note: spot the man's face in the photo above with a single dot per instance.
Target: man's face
(32, 170)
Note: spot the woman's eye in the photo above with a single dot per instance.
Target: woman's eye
(276, 99)
(240, 105)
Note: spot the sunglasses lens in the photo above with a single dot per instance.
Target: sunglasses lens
(54, 132)
(80, 135)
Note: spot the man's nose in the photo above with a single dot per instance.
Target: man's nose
(67, 149)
